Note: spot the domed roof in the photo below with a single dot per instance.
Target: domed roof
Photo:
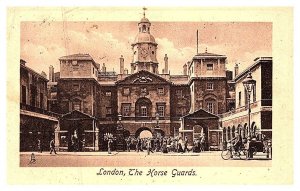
(144, 37)
(144, 20)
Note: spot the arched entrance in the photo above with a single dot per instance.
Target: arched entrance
(143, 131)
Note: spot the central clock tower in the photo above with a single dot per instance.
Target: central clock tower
(144, 49)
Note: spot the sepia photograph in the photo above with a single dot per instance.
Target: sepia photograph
(111, 93)
(156, 94)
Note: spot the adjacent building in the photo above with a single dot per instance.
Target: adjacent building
(260, 103)
(37, 124)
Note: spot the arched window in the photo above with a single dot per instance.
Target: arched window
(76, 104)
(143, 107)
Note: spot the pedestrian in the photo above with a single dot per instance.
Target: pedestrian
(149, 149)
(40, 147)
(109, 145)
(128, 144)
(202, 142)
(52, 146)
(185, 144)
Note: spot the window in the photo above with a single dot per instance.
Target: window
(210, 107)
(209, 86)
(33, 95)
(126, 91)
(108, 111)
(41, 100)
(143, 111)
(93, 70)
(76, 87)
(126, 109)
(161, 110)
(144, 28)
(240, 98)
(24, 94)
(179, 93)
(160, 91)
(77, 105)
(209, 66)
(108, 93)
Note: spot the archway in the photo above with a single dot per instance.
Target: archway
(145, 134)
(228, 134)
(233, 131)
(142, 129)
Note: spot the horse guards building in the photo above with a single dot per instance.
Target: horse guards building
(87, 101)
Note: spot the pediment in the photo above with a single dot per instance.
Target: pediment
(201, 114)
(144, 77)
(76, 115)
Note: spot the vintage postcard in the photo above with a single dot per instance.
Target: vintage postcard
(150, 95)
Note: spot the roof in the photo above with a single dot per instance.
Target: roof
(80, 56)
(144, 20)
(75, 114)
(144, 37)
(140, 77)
(32, 71)
(179, 79)
(208, 55)
(258, 60)
(77, 57)
(201, 114)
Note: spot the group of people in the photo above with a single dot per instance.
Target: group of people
(165, 144)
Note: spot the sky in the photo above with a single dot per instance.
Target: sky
(43, 43)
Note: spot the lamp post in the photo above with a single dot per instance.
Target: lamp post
(157, 124)
(119, 121)
(249, 84)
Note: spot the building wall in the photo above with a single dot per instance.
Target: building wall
(81, 69)
(181, 101)
(107, 101)
(240, 90)
(199, 67)
(34, 88)
(201, 95)
(77, 90)
(152, 94)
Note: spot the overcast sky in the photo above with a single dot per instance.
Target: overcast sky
(42, 43)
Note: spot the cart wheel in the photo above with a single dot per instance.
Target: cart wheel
(226, 154)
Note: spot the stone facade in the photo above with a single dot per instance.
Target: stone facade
(144, 99)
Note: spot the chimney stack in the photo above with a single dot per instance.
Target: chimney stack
(185, 69)
(121, 65)
(103, 68)
(166, 64)
(236, 69)
(126, 71)
(51, 73)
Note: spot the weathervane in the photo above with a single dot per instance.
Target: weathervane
(144, 8)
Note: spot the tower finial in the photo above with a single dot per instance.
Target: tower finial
(206, 50)
(144, 8)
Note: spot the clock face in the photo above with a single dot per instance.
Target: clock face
(144, 52)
